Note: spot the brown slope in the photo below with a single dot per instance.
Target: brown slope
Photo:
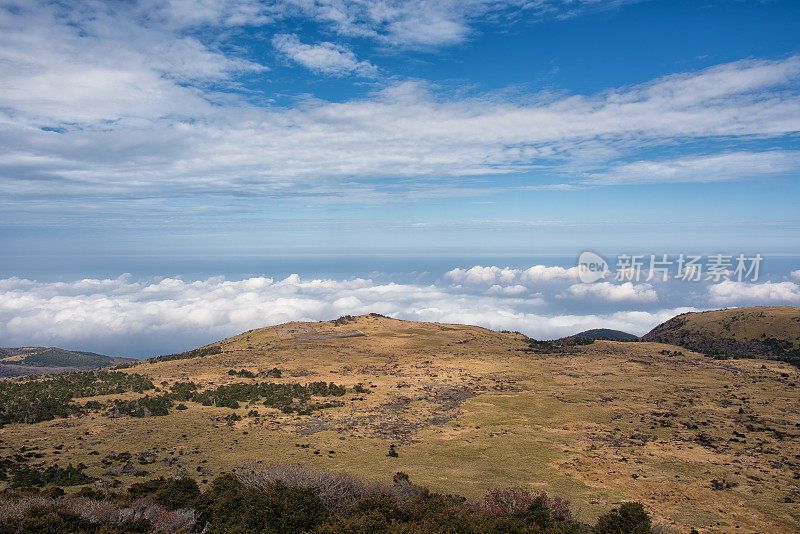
(771, 332)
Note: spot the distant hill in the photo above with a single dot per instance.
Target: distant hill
(55, 357)
(771, 332)
(18, 361)
(607, 333)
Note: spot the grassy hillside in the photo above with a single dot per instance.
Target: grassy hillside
(607, 333)
(702, 443)
(771, 332)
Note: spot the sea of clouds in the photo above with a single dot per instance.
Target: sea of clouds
(141, 317)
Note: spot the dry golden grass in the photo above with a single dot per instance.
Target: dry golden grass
(781, 322)
(469, 410)
(741, 325)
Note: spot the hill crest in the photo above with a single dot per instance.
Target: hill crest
(770, 332)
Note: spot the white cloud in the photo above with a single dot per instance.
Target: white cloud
(482, 275)
(156, 135)
(147, 110)
(425, 24)
(84, 65)
(614, 292)
(406, 23)
(712, 168)
(795, 274)
(126, 316)
(493, 275)
(508, 290)
(326, 58)
(742, 293)
(181, 14)
(542, 273)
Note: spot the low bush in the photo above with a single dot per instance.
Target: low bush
(143, 407)
(629, 518)
(26, 476)
(230, 506)
(42, 399)
(183, 391)
(289, 398)
(243, 373)
(534, 508)
(171, 493)
(195, 353)
(295, 499)
(359, 388)
(71, 514)
(272, 373)
(339, 492)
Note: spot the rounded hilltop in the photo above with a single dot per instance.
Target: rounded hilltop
(771, 332)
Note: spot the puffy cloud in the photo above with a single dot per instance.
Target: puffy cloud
(532, 276)
(482, 275)
(615, 292)
(795, 274)
(739, 293)
(326, 58)
(542, 273)
(133, 317)
(508, 281)
(508, 290)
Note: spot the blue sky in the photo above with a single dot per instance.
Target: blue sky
(240, 128)
(133, 126)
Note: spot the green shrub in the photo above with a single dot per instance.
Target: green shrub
(230, 507)
(195, 353)
(293, 499)
(289, 398)
(36, 399)
(629, 518)
(243, 373)
(26, 476)
(45, 520)
(272, 373)
(183, 390)
(144, 407)
(171, 493)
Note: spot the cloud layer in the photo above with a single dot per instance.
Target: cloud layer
(128, 316)
(133, 317)
(729, 293)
